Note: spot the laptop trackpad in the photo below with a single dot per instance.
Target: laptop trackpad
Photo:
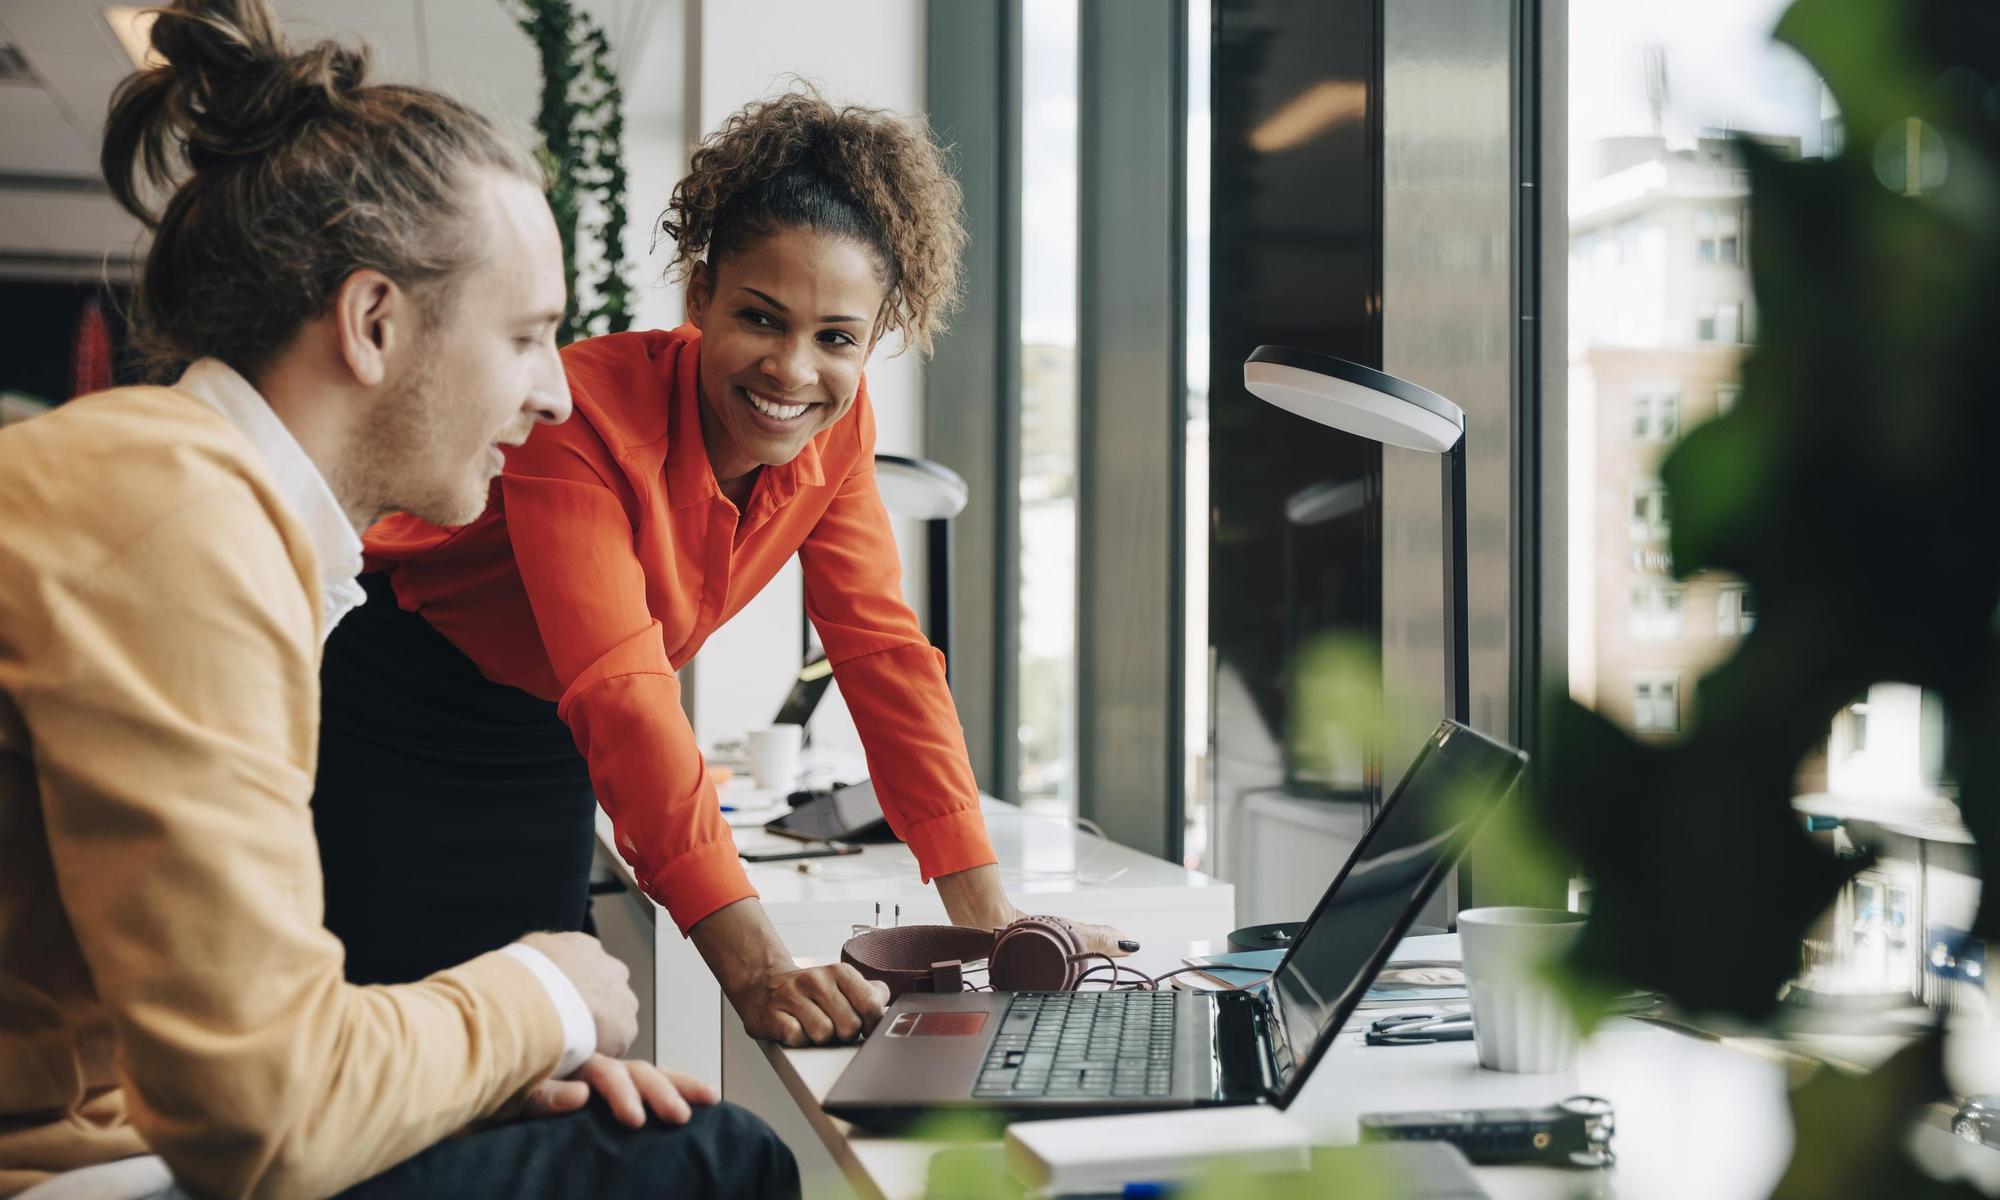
(936, 1024)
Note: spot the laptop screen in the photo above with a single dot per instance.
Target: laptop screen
(1415, 842)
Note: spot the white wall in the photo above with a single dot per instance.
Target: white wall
(653, 76)
(737, 53)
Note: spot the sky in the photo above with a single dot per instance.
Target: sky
(1723, 71)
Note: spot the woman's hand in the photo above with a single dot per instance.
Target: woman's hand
(976, 900)
(778, 1000)
(810, 1006)
(630, 1086)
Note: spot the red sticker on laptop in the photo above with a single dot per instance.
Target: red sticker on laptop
(936, 1024)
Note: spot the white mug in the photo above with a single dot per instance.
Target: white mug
(774, 757)
(1519, 1020)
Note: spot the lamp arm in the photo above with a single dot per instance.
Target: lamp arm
(939, 603)
(1458, 687)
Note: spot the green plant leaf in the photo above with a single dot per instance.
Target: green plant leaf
(1851, 1131)
(583, 153)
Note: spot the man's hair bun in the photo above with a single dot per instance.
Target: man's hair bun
(228, 89)
(270, 176)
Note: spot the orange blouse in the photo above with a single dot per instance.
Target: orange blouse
(608, 555)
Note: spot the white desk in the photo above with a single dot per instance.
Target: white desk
(1695, 1117)
(1046, 865)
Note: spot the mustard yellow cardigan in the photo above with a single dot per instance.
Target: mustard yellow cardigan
(166, 984)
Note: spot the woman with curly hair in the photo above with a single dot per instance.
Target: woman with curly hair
(508, 676)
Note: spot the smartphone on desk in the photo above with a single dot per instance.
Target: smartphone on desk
(821, 850)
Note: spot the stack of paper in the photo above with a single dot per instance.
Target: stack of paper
(1402, 982)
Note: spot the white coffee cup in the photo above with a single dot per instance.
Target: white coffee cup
(1519, 1020)
(774, 757)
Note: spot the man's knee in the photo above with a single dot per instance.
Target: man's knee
(745, 1157)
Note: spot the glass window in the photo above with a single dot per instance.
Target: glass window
(1728, 323)
(1649, 511)
(1656, 613)
(1704, 323)
(1194, 663)
(1735, 611)
(1728, 241)
(1047, 547)
(1656, 412)
(1656, 703)
(1657, 339)
(1718, 236)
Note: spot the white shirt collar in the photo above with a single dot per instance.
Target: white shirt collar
(334, 541)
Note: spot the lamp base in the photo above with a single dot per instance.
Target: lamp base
(1279, 936)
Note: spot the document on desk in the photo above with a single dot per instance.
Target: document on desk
(1404, 981)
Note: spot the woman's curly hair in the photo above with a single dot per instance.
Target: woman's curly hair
(797, 161)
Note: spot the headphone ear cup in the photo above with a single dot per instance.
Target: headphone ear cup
(1036, 954)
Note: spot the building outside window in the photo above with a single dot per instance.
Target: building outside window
(1661, 95)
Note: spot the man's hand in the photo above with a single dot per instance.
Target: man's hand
(976, 900)
(629, 1086)
(602, 981)
(811, 1006)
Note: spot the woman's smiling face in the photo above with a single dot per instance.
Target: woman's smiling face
(786, 325)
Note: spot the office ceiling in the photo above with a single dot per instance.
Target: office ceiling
(55, 219)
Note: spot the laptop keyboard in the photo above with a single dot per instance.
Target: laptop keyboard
(1082, 1044)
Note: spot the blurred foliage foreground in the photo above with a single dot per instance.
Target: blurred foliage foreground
(1846, 487)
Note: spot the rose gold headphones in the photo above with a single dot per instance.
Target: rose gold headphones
(1034, 954)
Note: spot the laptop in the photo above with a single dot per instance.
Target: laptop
(806, 691)
(1023, 1055)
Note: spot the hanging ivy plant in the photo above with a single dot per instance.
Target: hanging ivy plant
(582, 124)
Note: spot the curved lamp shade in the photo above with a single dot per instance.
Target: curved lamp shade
(1382, 408)
(1353, 398)
(918, 488)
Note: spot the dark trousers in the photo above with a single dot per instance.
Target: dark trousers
(454, 814)
(724, 1153)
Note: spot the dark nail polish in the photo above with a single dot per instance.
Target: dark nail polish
(1127, 945)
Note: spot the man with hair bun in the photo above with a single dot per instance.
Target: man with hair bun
(507, 677)
(354, 288)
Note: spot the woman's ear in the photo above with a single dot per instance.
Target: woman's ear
(881, 329)
(700, 290)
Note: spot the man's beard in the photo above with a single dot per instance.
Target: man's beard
(403, 465)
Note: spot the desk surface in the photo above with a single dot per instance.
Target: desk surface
(1695, 1117)
(1039, 856)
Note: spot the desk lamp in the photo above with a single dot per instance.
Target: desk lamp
(922, 490)
(1382, 408)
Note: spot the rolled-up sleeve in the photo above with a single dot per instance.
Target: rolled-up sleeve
(891, 676)
(573, 545)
